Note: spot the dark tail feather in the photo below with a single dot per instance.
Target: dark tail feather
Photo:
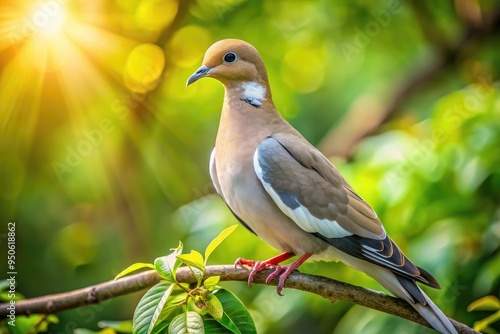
(406, 288)
(426, 307)
(429, 278)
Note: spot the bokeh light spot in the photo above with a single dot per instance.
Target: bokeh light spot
(143, 68)
(76, 244)
(304, 69)
(189, 44)
(155, 14)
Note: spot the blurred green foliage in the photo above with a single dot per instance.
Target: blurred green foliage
(104, 152)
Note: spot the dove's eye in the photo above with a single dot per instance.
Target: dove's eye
(229, 57)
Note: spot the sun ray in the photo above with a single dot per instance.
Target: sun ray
(108, 48)
(48, 41)
(20, 95)
(64, 72)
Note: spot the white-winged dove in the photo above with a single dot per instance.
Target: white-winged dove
(285, 191)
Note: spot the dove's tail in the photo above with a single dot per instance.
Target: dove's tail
(408, 290)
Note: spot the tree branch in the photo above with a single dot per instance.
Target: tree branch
(327, 288)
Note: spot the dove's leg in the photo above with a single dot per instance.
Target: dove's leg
(260, 265)
(282, 271)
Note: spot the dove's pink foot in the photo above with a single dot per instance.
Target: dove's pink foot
(282, 271)
(260, 265)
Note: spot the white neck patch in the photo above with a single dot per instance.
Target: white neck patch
(254, 93)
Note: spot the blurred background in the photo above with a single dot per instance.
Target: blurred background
(104, 152)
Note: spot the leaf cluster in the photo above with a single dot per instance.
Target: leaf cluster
(174, 307)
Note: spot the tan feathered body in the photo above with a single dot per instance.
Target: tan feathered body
(240, 132)
(289, 194)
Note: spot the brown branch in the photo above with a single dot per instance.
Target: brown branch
(328, 288)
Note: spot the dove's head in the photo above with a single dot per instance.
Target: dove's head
(232, 62)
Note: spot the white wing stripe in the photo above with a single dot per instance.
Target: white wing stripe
(384, 262)
(301, 215)
(212, 171)
(371, 249)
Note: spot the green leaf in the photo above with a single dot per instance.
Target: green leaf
(187, 323)
(84, 331)
(7, 296)
(166, 266)
(212, 326)
(214, 306)
(119, 326)
(33, 323)
(159, 312)
(211, 282)
(150, 306)
(481, 325)
(175, 301)
(487, 303)
(236, 317)
(88, 331)
(162, 327)
(170, 311)
(193, 259)
(134, 267)
(217, 241)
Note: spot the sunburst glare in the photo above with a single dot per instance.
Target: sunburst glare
(57, 53)
(49, 17)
